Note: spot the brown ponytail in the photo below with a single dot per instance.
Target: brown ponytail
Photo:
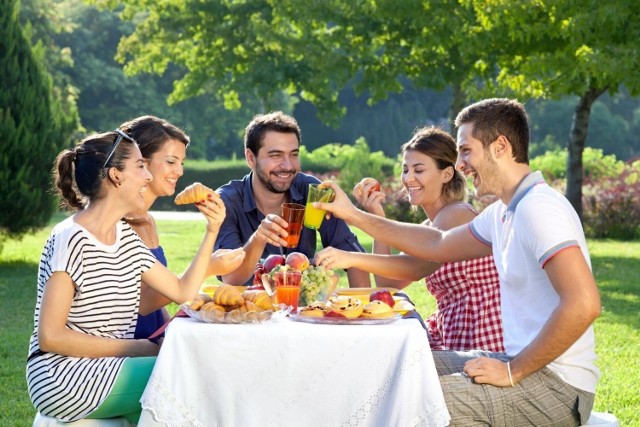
(79, 172)
(63, 173)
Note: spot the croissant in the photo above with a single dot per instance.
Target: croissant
(259, 298)
(199, 301)
(251, 307)
(227, 295)
(213, 311)
(196, 192)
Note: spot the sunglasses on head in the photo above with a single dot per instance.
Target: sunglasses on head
(119, 138)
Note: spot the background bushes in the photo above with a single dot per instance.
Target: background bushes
(611, 203)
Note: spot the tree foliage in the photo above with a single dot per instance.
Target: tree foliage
(33, 128)
(554, 49)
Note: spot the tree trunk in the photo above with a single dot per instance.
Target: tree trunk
(458, 101)
(577, 138)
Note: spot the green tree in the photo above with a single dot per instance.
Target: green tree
(571, 48)
(33, 128)
(315, 48)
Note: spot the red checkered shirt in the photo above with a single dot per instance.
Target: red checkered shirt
(468, 314)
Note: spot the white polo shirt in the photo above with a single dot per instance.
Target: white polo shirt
(537, 224)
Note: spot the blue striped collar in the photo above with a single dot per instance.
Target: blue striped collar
(529, 181)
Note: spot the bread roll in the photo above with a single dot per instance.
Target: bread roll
(194, 193)
(200, 300)
(315, 309)
(228, 295)
(259, 298)
(349, 307)
(377, 310)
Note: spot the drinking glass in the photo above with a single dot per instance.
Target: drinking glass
(313, 217)
(293, 213)
(288, 288)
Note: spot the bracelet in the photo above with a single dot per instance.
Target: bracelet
(509, 372)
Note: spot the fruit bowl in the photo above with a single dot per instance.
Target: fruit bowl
(317, 284)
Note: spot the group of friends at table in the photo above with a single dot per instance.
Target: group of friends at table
(512, 336)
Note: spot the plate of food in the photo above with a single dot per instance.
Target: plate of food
(343, 320)
(229, 305)
(346, 310)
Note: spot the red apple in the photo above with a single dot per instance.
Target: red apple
(384, 296)
(298, 261)
(375, 185)
(272, 261)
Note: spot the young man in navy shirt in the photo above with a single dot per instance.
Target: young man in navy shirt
(254, 203)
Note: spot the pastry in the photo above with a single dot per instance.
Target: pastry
(251, 307)
(377, 310)
(236, 315)
(349, 307)
(213, 311)
(315, 309)
(194, 193)
(228, 295)
(259, 298)
(199, 301)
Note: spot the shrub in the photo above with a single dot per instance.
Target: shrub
(553, 164)
(612, 205)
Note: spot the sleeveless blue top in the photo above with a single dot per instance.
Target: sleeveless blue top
(150, 323)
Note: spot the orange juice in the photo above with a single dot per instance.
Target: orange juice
(294, 234)
(313, 217)
(288, 295)
(293, 213)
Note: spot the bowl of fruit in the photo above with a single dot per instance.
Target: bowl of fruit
(317, 283)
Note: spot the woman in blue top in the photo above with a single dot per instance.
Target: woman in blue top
(164, 147)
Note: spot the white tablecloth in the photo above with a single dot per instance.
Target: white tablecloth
(287, 373)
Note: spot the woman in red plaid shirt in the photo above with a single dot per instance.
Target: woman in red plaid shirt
(467, 292)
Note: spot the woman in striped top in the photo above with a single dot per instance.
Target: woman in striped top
(83, 360)
(467, 293)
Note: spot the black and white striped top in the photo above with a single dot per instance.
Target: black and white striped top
(106, 301)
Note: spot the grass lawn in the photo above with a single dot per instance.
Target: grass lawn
(615, 264)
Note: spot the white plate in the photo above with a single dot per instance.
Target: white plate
(343, 320)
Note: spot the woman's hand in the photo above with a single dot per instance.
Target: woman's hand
(224, 261)
(341, 206)
(213, 210)
(331, 258)
(369, 198)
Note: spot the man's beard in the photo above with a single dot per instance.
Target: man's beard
(272, 186)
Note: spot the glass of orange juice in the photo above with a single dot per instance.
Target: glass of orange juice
(313, 217)
(293, 213)
(288, 288)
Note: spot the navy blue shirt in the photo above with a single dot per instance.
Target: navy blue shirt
(243, 219)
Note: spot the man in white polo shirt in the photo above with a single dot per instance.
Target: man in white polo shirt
(547, 377)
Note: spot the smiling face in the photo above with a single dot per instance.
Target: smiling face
(167, 166)
(422, 179)
(277, 162)
(135, 179)
(476, 161)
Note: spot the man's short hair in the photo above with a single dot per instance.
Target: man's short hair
(262, 123)
(499, 116)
